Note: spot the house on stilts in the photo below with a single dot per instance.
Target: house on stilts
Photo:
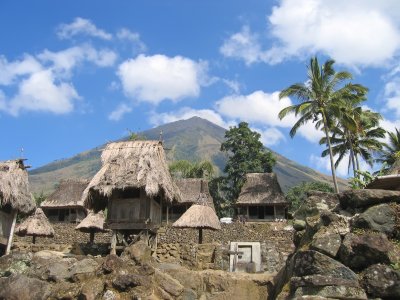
(65, 203)
(261, 198)
(15, 198)
(135, 185)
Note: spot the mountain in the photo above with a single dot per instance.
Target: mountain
(192, 139)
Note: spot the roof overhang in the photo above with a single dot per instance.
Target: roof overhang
(387, 182)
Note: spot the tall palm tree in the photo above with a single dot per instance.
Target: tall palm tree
(324, 88)
(391, 151)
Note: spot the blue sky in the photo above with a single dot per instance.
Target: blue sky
(76, 74)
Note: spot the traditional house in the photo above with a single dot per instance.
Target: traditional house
(133, 184)
(190, 189)
(14, 197)
(65, 203)
(261, 198)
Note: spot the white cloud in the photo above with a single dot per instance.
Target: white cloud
(263, 108)
(84, 27)
(132, 37)
(355, 33)
(65, 60)
(187, 113)
(10, 71)
(392, 96)
(40, 92)
(119, 112)
(243, 45)
(159, 77)
(259, 107)
(270, 136)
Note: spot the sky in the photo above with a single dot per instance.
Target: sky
(77, 74)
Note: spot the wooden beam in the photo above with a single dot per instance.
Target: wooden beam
(10, 238)
(167, 214)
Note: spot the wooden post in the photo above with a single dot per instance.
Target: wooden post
(10, 237)
(114, 242)
(33, 239)
(161, 208)
(92, 236)
(200, 235)
(274, 213)
(167, 213)
(248, 215)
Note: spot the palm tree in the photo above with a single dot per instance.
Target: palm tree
(187, 169)
(356, 134)
(391, 151)
(325, 88)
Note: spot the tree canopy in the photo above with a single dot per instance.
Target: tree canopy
(246, 154)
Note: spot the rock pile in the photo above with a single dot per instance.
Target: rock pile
(347, 247)
(134, 275)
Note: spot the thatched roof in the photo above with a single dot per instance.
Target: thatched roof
(131, 164)
(191, 188)
(67, 195)
(261, 189)
(198, 216)
(36, 225)
(14, 186)
(92, 222)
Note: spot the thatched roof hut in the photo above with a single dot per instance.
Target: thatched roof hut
(67, 195)
(200, 216)
(389, 182)
(261, 188)
(36, 225)
(127, 165)
(65, 203)
(14, 187)
(94, 222)
(191, 188)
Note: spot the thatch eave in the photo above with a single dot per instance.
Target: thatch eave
(67, 195)
(36, 225)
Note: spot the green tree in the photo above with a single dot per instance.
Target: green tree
(246, 154)
(297, 194)
(188, 169)
(391, 151)
(324, 89)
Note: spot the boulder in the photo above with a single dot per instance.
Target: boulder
(315, 203)
(365, 198)
(326, 241)
(381, 281)
(58, 270)
(139, 252)
(112, 263)
(15, 263)
(381, 218)
(83, 269)
(306, 263)
(299, 225)
(168, 284)
(65, 290)
(92, 289)
(124, 282)
(331, 292)
(22, 287)
(359, 251)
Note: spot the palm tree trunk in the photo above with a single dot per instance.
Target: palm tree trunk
(352, 156)
(330, 153)
(357, 163)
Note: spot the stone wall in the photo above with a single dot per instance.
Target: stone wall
(179, 245)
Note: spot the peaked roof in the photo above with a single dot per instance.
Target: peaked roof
(131, 164)
(191, 188)
(36, 225)
(92, 222)
(14, 186)
(68, 194)
(198, 216)
(261, 188)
